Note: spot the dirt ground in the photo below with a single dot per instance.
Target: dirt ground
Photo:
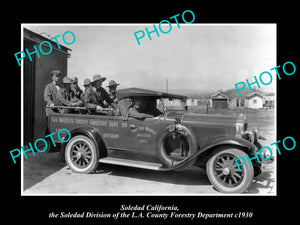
(43, 174)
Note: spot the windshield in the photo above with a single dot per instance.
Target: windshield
(171, 104)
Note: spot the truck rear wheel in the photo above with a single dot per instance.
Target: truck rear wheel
(81, 154)
(224, 174)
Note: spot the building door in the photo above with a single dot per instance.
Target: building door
(221, 104)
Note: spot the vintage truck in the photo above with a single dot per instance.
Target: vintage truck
(174, 140)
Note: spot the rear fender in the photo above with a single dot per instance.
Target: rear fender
(95, 136)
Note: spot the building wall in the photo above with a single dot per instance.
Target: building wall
(255, 102)
(36, 77)
(191, 102)
(44, 65)
(236, 102)
(28, 93)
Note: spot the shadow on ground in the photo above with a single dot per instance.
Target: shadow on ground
(192, 176)
(44, 173)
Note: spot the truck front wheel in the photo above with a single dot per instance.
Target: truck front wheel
(223, 173)
(81, 154)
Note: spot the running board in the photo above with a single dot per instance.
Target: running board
(132, 163)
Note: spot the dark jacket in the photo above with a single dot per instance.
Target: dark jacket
(65, 97)
(77, 90)
(113, 96)
(93, 97)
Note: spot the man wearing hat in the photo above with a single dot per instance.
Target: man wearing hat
(51, 91)
(96, 97)
(86, 84)
(66, 97)
(75, 88)
(136, 110)
(112, 90)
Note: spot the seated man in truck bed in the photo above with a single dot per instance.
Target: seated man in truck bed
(66, 97)
(96, 98)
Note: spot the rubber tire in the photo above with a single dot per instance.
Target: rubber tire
(167, 162)
(248, 171)
(95, 155)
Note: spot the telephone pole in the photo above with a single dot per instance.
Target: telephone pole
(167, 85)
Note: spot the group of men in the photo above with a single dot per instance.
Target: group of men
(65, 96)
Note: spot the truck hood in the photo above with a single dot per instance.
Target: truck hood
(208, 127)
(210, 119)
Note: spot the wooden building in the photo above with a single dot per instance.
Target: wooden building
(193, 102)
(237, 102)
(219, 100)
(254, 101)
(269, 100)
(35, 77)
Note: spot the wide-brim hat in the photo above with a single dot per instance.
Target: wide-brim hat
(112, 83)
(86, 81)
(67, 80)
(74, 79)
(98, 77)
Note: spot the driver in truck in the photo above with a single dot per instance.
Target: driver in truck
(142, 108)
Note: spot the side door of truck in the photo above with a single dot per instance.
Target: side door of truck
(141, 134)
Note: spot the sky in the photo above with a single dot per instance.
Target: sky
(194, 56)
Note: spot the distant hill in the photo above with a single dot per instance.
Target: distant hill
(192, 93)
(232, 93)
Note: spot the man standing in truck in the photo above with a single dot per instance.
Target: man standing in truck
(51, 91)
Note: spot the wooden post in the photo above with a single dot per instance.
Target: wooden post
(167, 85)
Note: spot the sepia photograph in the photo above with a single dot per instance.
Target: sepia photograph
(149, 109)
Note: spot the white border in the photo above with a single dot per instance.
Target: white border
(139, 24)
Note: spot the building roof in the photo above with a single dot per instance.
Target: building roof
(138, 92)
(219, 95)
(37, 38)
(252, 95)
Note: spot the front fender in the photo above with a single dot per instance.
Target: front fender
(240, 142)
(247, 146)
(95, 136)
